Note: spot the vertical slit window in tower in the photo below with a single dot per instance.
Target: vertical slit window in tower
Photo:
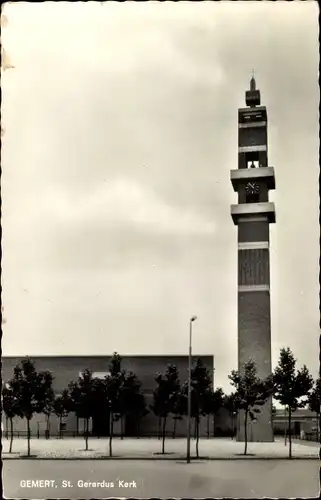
(264, 268)
(257, 271)
(246, 267)
(250, 267)
(242, 267)
(261, 270)
(254, 267)
(262, 265)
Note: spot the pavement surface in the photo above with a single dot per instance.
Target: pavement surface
(217, 448)
(160, 479)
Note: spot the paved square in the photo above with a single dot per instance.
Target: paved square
(151, 448)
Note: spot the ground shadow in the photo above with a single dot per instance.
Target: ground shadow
(243, 455)
(193, 461)
(162, 454)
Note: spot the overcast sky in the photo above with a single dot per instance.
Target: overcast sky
(120, 126)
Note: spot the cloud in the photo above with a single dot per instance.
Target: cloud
(124, 201)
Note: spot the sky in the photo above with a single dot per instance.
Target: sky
(119, 133)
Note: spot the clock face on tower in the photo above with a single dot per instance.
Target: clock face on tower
(252, 189)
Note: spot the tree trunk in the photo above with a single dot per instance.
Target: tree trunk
(232, 418)
(47, 426)
(245, 432)
(60, 425)
(290, 434)
(164, 430)
(28, 436)
(122, 427)
(111, 431)
(195, 428)
(318, 426)
(159, 427)
(77, 429)
(197, 420)
(11, 435)
(208, 426)
(97, 427)
(174, 428)
(98, 430)
(7, 433)
(86, 432)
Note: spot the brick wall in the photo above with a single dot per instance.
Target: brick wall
(254, 342)
(67, 368)
(254, 330)
(254, 267)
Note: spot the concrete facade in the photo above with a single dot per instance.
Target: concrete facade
(67, 368)
(252, 215)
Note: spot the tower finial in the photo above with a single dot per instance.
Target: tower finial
(252, 96)
(253, 82)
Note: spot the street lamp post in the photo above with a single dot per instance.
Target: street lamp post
(189, 393)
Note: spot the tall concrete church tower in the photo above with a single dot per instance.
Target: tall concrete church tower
(253, 215)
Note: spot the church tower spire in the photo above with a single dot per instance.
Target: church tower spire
(253, 83)
(253, 96)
